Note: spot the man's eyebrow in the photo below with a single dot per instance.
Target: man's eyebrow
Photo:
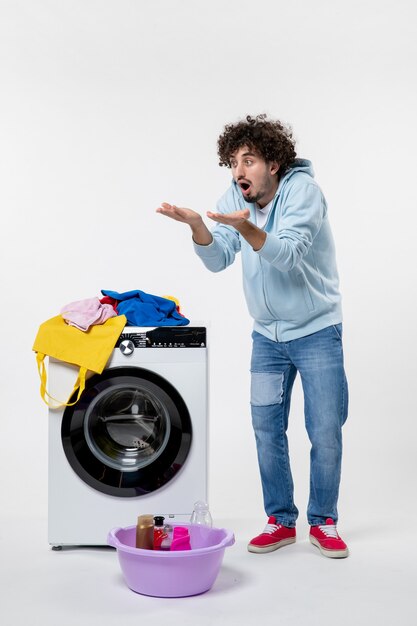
(244, 155)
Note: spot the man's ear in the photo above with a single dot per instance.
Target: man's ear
(274, 167)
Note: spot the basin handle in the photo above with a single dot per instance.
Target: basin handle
(112, 539)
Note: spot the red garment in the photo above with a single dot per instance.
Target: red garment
(112, 301)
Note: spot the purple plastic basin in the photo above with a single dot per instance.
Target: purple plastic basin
(172, 574)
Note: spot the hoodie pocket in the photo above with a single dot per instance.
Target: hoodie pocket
(306, 292)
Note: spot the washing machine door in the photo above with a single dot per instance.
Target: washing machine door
(129, 434)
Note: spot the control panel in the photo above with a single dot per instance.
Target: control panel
(163, 337)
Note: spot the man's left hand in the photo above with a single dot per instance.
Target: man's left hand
(239, 220)
(235, 219)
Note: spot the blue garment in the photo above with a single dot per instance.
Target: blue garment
(291, 284)
(319, 360)
(144, 309)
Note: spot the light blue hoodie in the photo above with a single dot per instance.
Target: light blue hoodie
(291, 284)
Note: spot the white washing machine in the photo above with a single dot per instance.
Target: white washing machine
(135, 442)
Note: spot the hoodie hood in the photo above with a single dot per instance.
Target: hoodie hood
(300, 165)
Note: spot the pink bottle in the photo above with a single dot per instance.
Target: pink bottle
(180, 539)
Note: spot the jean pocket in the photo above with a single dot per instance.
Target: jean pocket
(266, 388)
(338, 330)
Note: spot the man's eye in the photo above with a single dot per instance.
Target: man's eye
(248, 162)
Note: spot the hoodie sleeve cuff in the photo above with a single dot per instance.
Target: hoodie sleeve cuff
(208, 251)
(273, 250)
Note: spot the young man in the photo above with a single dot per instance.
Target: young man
(275, 214)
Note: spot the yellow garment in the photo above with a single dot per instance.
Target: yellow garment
(89, 350)
(174, 299)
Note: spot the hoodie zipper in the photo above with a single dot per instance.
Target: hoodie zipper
(241, 203)
(273, 207)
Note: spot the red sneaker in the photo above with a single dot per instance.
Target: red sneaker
(274, 536)
(327, 539)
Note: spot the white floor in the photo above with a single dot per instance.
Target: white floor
(294, 585)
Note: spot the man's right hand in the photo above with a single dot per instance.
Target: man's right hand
(201, 233)
(188, 216)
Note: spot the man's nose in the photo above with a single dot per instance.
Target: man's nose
(239, 171)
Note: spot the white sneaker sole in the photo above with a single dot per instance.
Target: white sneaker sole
(332, 554)
(272, 547)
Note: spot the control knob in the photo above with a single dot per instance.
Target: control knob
(127, 347)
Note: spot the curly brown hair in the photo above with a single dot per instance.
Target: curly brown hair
(270, 138)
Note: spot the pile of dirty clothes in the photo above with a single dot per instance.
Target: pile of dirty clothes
(139, 308)
(90, 350)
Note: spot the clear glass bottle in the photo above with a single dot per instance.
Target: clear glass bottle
(201, 514)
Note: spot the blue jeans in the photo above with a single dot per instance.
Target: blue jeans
(319, 360)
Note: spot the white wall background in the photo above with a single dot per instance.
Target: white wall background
(110, 107)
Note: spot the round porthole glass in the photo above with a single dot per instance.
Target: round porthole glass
(129, 434)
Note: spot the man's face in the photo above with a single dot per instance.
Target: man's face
(256, 177)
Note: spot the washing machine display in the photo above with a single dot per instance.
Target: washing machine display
(129, 434)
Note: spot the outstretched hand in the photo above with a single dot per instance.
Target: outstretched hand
(201, 234)
(187, 216)
(235, 219)
(239, 220)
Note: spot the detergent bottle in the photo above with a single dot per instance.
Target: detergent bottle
(158, 532)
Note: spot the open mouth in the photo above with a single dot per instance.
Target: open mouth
(244, 186)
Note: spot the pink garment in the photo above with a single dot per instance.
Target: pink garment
(180, 539)
(85, 313)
